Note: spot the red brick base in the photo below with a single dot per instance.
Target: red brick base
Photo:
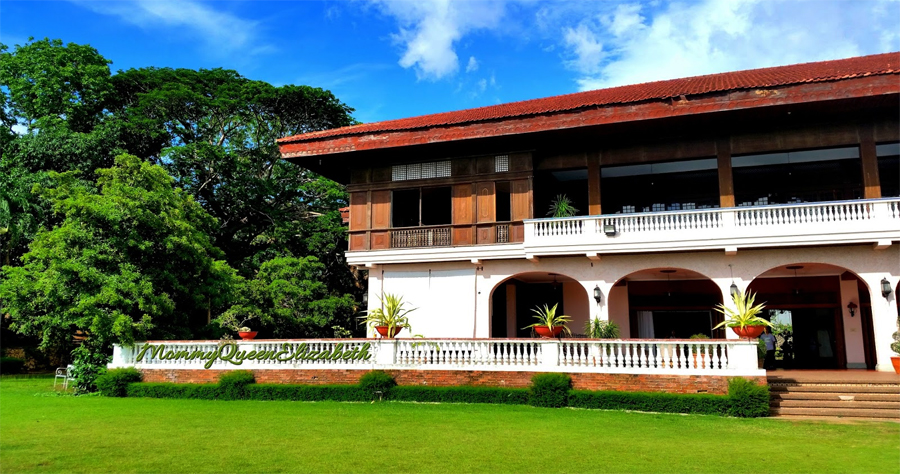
(443, 378)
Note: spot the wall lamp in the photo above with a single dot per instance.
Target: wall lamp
(598, 295)
(610, 229)
(885, 287)
(734, 291)
(852, 307)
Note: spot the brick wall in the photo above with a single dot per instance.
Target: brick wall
(618, 382)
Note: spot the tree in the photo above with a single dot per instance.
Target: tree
(21, 212)
(291, 299)
(131, 261)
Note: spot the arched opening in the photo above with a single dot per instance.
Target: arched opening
(513, 299)
(660, 303)
(822, 315)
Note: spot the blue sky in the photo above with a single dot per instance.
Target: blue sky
(393, 59)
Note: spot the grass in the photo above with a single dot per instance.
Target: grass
(42, 431)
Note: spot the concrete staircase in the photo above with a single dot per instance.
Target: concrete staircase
(824, 396)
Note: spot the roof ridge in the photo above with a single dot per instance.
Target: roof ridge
(814, 71)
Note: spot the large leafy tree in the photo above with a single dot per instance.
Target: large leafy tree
(217, 132)
(131, 261)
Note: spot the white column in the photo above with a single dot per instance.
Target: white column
(884, 318)
(386, 353)
(853, 336)
(549, 354)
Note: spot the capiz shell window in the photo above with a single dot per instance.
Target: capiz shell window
(431, 169)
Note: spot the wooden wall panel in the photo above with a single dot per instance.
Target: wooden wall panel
(381, 209)
(726, 180)
(381, 174)
(485, 234)
(486, 207)
(360, 175)
(381, 240)
(521, 199)
(869, 158)
(485, 165)
(359, 215)
(463, 204)
(358, 241)
(463, 236)
(463, 166)
(520, 162)
(517, 232)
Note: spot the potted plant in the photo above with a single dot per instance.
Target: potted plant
(391, 318)
(695, 349)
(599, 329)
(236, 319)
(561, 206)
(744, 320)
(549, 323)
(895, 346)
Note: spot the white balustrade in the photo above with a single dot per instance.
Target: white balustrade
(875, 219)
(713, 357)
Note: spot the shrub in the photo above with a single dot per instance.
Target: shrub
(114, 383)
(747, 399)
(173, 390)
(651, 402)
(232, 384)
(377, 381)
(550, 390)
(87, 364)
(11, 365)
(497, 395)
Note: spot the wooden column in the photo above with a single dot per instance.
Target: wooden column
(593, 169)
(869, 158)
(463, 214)
(726, 180)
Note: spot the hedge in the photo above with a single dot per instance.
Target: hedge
(114, 383)
(744, 399)
(11, 365)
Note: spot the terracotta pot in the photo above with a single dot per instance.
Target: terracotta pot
(383, 331)
(749, 332)
(896, 362)
(247, 335)
(544, 331)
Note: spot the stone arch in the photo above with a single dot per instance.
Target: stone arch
(512, 299)
(654, 302)
(828, 309)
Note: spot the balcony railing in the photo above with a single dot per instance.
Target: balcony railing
(420, 237)
(827, 222)
(701, 357)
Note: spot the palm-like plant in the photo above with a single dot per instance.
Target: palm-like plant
(391, 315)
(744, 314)
(562, 206)
(599, 329)
(547, 316)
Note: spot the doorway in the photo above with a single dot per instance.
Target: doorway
(809, 338)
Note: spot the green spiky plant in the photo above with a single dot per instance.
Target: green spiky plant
(561, 206)
(392, 314)
(547, 316)
(599, 329)
(745, 313)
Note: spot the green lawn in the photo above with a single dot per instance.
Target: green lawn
(43, 432)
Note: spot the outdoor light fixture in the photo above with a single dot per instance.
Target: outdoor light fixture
(734, 289)
(598, 295)
(885, 287)
(795, 268)
(609, 229)
(852, 307)
(668, 273)
(365, 299)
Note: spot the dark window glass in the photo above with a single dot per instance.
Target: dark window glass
(889, 169)
(503, 201)
(436, 206)
(832, 174)
(670, 186)
(405, 208)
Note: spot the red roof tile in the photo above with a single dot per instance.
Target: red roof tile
(879, 64)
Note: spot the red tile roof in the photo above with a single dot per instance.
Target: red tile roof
(878, 64)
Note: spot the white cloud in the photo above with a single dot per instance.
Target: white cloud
(222, 32)
(473, 64)
(710, 36)
(428, 31)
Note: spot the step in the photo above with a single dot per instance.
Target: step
(859, 397)
(849, 389)
(832, 412)
(835, 404)
(832, 419)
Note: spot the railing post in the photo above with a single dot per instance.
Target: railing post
(728, 219)
(529, 231)
(549, 354)
(742, 356)
(387, 352)
(122, 356)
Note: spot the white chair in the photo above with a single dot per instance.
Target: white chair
(64, 373)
